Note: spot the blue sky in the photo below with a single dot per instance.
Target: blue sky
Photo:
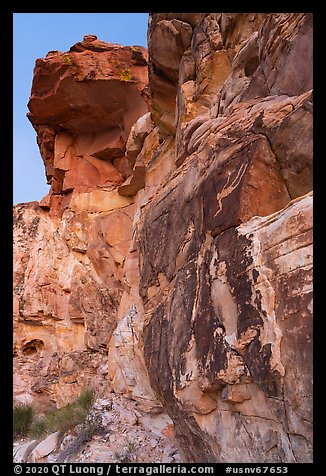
(34, 35)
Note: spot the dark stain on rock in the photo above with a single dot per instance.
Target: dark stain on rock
(234, 249)
(205, 321)
(180, 314)
(157, 246)
(216, 363)
(255, 275)
(162, 358)
(219, 217)
(211, 348)
(258, 299)
(288, 299)
(197, 445)
(257, 358)
(156, 353)
(137, 57)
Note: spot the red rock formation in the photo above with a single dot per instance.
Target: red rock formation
(83, 104)
(184, 263)
(70, 248)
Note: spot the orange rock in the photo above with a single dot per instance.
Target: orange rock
(168, 431)
(83, 114)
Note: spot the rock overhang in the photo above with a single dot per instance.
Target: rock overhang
(93, 87)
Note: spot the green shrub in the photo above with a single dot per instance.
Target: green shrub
(71, 415)
(22, 420)
(38, 428)
(65, 418)
(62, 419)
(85, 399)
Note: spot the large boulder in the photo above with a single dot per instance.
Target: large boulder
(83, 104)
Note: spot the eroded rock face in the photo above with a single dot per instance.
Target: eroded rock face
(220, 343)
(179, 273)
(276, 60)
(219, 288)
(67, 289)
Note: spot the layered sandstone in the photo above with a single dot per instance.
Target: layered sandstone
(185, 283)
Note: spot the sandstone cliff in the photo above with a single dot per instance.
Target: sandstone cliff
(172, 259)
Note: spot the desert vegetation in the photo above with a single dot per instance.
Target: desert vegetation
(26, 423)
